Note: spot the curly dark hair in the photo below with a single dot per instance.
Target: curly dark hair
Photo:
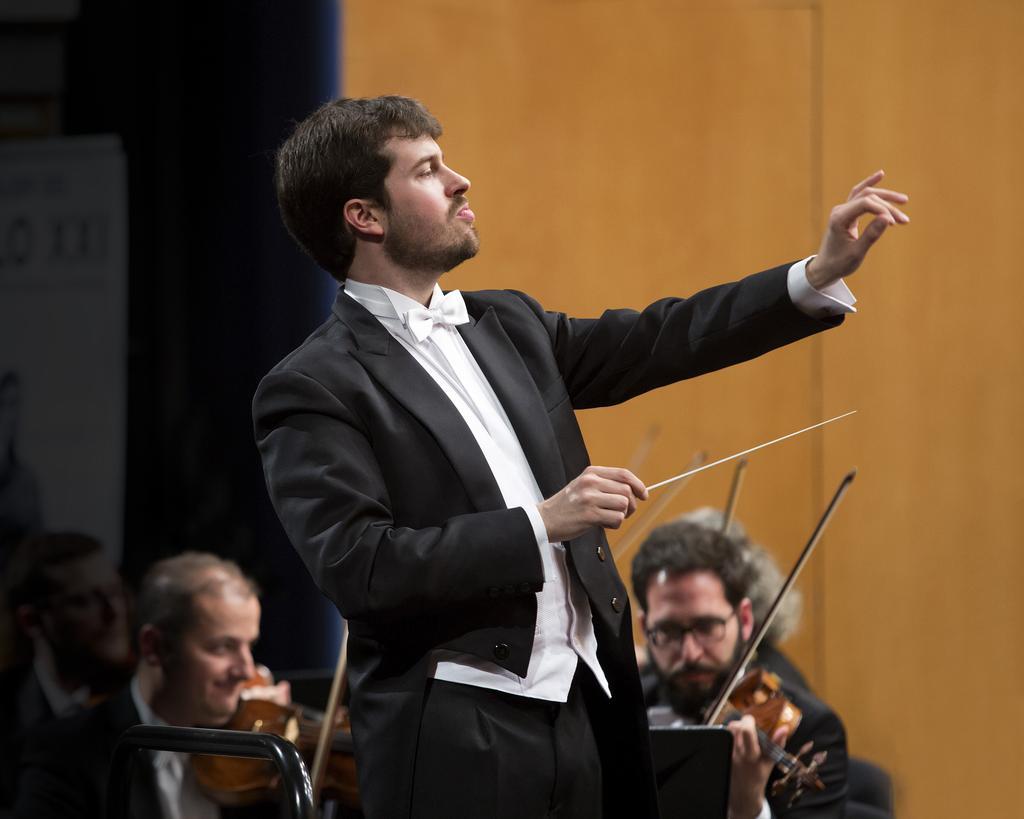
(683, 546)
(334, 155)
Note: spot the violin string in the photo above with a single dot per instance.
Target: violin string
(779, 755)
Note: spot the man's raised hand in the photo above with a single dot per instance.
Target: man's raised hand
(843, 247)
(601, 496)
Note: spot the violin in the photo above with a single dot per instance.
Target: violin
(759, 694)
(235, 781)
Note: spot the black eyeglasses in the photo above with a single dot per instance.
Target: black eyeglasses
(705, 630)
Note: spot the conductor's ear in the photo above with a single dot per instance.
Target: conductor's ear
(364, 217)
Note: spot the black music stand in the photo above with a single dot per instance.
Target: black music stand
(692, 765)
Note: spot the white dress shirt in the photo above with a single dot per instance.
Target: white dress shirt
(176, 787)
(564, 633)
(831, 301)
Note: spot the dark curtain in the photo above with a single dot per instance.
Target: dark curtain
(201, 94)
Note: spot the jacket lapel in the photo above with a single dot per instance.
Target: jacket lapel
(518, 394)
(404, 379)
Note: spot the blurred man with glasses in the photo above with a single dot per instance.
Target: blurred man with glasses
(72, 643)
(693, 586)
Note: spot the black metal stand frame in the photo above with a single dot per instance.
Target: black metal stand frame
(297, 790)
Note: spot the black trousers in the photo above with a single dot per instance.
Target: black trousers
(490, 755)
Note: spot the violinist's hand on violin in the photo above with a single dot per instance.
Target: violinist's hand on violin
(261, 687)
(843, 247)
(750, 768)
(600, 496)
(280, 694)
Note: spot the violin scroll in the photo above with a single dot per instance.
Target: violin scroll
(801, 776)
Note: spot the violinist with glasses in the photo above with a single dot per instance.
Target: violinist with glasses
(694, 585)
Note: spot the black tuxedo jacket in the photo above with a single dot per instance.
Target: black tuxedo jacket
(383, 491)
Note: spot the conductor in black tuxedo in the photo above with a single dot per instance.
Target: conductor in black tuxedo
(422, 452)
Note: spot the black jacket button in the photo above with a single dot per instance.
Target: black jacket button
(600, 554)
(510, 589)
(493, 591)
(616, 605)
(501, 651)
(525, 588)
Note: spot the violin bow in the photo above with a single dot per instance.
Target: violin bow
(323, 742)
(715, 709)
(734, 496)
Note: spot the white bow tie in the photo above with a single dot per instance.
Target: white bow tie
(450, 311)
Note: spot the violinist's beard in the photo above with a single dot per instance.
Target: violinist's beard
(689, 699)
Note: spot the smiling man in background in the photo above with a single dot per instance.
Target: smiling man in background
(199, 617)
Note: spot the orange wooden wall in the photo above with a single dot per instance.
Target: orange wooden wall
(621, 150)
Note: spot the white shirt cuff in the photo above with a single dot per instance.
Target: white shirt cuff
(540, 531)
(766, 811)
(831, 301)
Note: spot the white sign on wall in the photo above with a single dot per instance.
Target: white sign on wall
(63, 327)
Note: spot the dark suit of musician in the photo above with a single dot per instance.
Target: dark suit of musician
(383, 491)
(23, 707)
(821, 725)
(66, 764)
